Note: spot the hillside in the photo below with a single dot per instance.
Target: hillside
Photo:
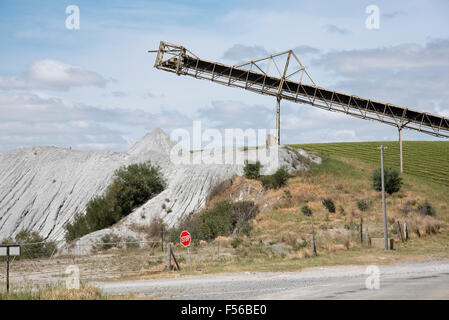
(280, 239)
(428, 160)
(42, 188)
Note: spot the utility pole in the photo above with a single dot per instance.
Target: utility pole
(400, 148)
(383, 195)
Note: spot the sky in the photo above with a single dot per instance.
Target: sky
(95, 88)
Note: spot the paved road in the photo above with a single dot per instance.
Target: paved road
(425, 280)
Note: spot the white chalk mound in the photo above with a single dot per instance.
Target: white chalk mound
(41, 188)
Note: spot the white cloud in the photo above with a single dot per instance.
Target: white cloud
(331, 28)
(240, 52)
(52, 74)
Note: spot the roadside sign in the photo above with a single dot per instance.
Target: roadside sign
(9, 250)
(185, 241)
(14, 250)
(185, 238)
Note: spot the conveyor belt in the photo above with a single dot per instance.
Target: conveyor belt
(185, 64)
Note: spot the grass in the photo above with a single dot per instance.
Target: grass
(52, 292)
(344, 177)
(428, 160)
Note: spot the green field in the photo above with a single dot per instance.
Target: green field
(425, 159)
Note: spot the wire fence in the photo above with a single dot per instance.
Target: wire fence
(102, 261)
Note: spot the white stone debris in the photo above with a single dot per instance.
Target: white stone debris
(41, 188)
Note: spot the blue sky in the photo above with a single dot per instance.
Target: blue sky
(96, 88)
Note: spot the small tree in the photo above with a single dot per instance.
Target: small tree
(252, 170)
(392, 179)
(276, 180)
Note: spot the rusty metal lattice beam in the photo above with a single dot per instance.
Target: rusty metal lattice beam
(251, 76)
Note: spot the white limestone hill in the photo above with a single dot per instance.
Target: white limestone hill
(41, 188)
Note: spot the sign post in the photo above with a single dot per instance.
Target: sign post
(185, 241)
(9, 250)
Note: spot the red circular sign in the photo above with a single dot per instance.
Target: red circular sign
(185, 238)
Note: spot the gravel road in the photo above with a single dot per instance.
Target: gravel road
(417, 280)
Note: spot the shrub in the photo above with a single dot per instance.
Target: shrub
(131, 187)
(392, 179)
(276, 180)
(252, 170)
(363, 205)
(242, 212)
(108, 241)
(224, 219)
(33, 245)
(306, 210)
(157, 226)
(329, 205)
(135, 184)
(426, 209)
(236, 242)
(132, 243)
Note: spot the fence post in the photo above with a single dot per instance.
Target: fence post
(405, 230)
(367, 237)
(400, 231)
(313, 244)
(169, 256)
(361, 230)
(162, 239)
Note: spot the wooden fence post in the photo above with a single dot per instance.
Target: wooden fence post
(361, 230)
(400, 231)
(367, 237)
(313, 244)
(169, 256)
(405, 230)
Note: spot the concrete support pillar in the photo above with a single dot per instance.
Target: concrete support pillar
(278, 120)
(400, 149)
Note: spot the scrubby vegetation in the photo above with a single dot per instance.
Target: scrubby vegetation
(32, 244)
(329, 205)
(392, 180)
(276, 180)
(223, 219)
(272, 181)
(426, 209)
(252, 170)
(131, 187)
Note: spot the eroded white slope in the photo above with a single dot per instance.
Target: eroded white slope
(42, 188)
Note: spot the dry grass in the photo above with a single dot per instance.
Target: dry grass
(53, 293)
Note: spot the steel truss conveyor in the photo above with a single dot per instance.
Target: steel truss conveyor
(254, 76)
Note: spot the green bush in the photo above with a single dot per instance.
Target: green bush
(224, 219)
(32, 245)
(131, 187)
(329, 205)
(306, 210)
(392, 179)
(276, 180)
(426, 209)
(363, 205)
(252, 170)
(236, 242)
